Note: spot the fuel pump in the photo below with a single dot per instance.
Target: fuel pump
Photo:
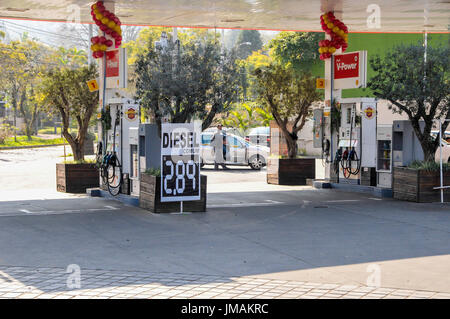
(349, 144)
(118, 165)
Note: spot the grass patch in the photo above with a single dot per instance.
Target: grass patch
(35, 141)
(51, 130)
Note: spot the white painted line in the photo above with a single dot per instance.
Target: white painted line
(273, 201)
(245, 205)
(373, 198)
(342, 200)
(111, 207)
(60, 212)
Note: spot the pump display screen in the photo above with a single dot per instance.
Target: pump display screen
(180, 162)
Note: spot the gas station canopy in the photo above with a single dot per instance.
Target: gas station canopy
(295, 15)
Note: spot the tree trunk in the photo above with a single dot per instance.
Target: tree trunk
(78, 152)
(291, 138)
(291, 145)
(26, 120)
(426, 141)
(429, 151)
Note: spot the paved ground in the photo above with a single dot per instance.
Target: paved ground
(255, 240)
(51, 283)
(30, 173)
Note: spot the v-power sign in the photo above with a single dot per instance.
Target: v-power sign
(180, 162)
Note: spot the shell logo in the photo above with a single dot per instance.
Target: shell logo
(131, 113)
(369, 113)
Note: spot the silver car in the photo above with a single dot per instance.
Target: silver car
(238, 151)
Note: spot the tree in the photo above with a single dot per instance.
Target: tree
(289, 98)
(246, 117)
(247, 42)
(418, 88)
(22, 63)
(248, 83)
(65, 91)
(194, 80)
(296, 49)
(72, 57)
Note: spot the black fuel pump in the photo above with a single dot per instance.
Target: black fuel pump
(111, 168)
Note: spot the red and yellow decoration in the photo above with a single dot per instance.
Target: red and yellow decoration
(338, 32)
(110, 24)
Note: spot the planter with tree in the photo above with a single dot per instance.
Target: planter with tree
(288, 97)
(150, 195)
(417, 182)
(182, 82)
(423, 93)
(65, 92)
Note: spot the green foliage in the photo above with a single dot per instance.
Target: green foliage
(6, 131)
(418, 88)
(65, 91)
(51, 130)
(335, 117)
(72, 57)
(22, 64)
(83, 161)
(196, 81)
(296, 49)
(247, 67)
(264, 116)
(247, 116)
(248, 41)
(144, 42)
(106, 118)
(35, 141)
(380, 44)
(432, 166)
(153, 171)
(288, 97)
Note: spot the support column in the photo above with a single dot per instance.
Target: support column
(330, 95)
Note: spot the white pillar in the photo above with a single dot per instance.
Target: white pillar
(331, 93)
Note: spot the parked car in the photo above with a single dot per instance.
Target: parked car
(259, 136)
(239, 151)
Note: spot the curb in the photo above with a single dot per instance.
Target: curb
(125, 199)
(29, 146)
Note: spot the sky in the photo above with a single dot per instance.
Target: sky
(51, 32)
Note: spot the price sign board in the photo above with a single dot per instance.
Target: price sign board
(180, 162)
(350, 70)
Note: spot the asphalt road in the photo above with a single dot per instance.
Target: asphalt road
(250, 228)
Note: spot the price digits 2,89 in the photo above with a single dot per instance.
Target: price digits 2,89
(180, 178)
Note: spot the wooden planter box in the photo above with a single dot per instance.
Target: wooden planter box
(417, 185)
(75, 178)
(290, 171)
(150, 197)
